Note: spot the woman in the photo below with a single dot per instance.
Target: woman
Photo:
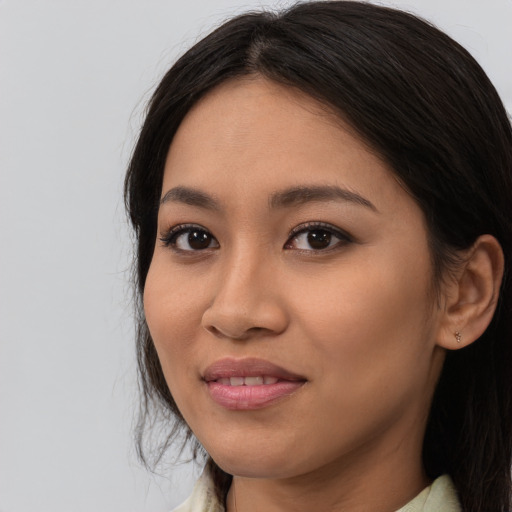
(321, 200)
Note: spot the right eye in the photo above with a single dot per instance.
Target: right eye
(189, 238)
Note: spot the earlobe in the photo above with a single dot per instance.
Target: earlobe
(472, 295)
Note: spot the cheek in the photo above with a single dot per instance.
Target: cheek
(173, 318)
(369, 322)
(368, 353)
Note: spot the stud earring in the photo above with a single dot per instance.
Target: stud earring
(458, 336)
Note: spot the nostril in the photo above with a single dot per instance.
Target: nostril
(257, 330)
(213, 330)
(224, 333)
(230, 317)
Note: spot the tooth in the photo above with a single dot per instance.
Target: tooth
(269, 380)
(236, 381)
(253, 381)
(224, 381)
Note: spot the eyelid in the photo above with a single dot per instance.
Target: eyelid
(311, 226)
(170, 235)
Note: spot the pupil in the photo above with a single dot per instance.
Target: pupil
(199, 239)
(319, 239)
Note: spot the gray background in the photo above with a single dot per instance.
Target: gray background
(74, 77)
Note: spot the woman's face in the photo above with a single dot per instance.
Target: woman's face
(289, 295)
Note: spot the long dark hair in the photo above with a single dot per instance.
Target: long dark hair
(427, 108)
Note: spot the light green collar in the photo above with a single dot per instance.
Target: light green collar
(441, 496)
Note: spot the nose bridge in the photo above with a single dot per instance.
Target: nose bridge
(246, 298)
(244, 271)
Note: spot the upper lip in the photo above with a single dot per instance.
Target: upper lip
(247, 367)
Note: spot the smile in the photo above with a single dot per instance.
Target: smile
(247, 381)
(249, 384)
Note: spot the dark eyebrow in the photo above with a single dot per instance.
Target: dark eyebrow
(305, 194)
(191, 197)
(291, 197)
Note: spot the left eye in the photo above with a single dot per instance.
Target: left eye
(316, 239)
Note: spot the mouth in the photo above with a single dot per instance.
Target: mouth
(249, 384)
(260, 380)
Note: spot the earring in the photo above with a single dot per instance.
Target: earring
(458, 336)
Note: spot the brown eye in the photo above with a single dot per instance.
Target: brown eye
(319, 239)
(198, 239)
(189, 238)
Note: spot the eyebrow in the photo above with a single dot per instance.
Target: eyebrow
(295, 196)
(190, 196)
(305, 194)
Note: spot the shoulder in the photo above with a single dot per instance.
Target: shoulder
(202, 499)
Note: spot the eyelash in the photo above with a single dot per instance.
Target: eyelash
(171, 237)
(310, 227)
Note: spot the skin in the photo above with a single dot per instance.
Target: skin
(358, 320)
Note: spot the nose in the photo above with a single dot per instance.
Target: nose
(246, 302)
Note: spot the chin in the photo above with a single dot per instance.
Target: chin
(257, 463)
(249, 469)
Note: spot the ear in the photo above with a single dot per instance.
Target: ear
(471, 296)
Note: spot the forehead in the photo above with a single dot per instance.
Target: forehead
(252, 135)
(255, 111)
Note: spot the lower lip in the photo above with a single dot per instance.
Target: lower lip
(247, 398)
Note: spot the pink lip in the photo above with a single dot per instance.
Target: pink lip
(249, 397)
